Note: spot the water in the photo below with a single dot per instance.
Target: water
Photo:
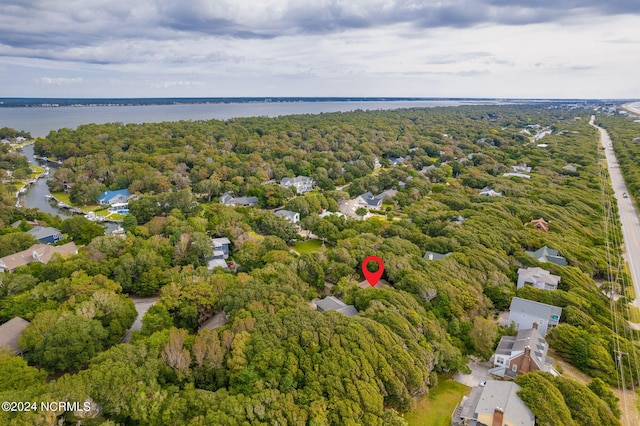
(35, 197)
(39, 121)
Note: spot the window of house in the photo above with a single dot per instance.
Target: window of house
(514, 368)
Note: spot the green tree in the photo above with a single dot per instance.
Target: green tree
(68, 343)
(129, 222)
(81, 230)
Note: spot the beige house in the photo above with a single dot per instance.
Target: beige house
(36, 253)
(11, 331)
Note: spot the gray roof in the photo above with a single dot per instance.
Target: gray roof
(43, 232)
(217, 242)
(11, 331)
(503, 394)
(371, 200)
(334, 304)
(228, 199)
(521, 168)
(490, 192)
(246, 201)
(515, 174)
(215, 263)
(530, 307)
(510, 345)
(546, 254)
(432, 255)
(538, 274)
(287, 214)
(297, 179)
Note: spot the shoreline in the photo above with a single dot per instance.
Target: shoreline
(630, 109)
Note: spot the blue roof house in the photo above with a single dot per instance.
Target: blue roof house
(112, 197)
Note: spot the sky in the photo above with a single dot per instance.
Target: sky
(410, 48)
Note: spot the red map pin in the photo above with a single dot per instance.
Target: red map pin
(372, 277)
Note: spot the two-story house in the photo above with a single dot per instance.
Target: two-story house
(538, 278)
(496, 404)
(45, 234)
(302, 184)
(523, 313)
(293, 217)
(527, 351)
(120, 196)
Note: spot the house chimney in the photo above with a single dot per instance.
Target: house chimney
(498, 416)
(534, 326)
(526, 361)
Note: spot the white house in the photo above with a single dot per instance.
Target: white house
(488, 192)
(302, 184)
(538, 278)
(293, 217)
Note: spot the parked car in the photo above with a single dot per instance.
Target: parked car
(625, 195)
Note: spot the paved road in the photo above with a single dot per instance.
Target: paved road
(142, 306)
(628, 213)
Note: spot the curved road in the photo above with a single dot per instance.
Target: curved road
(627, 211)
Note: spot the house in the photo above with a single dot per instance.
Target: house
(571, 167)
(425, 169)
(217, 261)
(120, 208)
(302, 184)
(334, 304)
(546, 254)
(521, 168)
(488, 192)
(520, 175)
(229, 200)
(538, 278)
(108, 198)
(328, 213)
(293, 217)
(221, 245)
(45, 234)
(496, 403)
(432, 255)
(11, 331)
(370, 201)
(459, 220)
(36, 253)
(396, 161)
(540, 224)
(523, 313)
(527, 351)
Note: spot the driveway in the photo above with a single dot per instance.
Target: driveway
(142, 306)
(479, 372)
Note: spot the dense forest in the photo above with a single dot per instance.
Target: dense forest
(276, 360)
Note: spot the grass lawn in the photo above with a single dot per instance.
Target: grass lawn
(36, 170)
(64, 197)
(307, 246)
(111, 215)
(435, 409)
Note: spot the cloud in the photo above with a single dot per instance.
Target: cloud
(58, 81)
